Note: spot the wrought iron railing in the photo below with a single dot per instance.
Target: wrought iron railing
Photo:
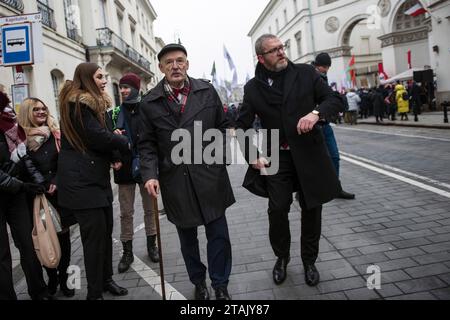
(107, 38)
(15, 4)
(48, 15)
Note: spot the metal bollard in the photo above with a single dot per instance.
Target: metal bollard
(444, 105)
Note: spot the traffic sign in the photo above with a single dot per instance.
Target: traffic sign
(17, 44)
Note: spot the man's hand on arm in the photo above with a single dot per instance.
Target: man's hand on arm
(307, 123)
(152, 187)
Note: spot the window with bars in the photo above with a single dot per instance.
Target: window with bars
(405, 22)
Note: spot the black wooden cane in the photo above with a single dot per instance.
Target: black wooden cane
(158, 236)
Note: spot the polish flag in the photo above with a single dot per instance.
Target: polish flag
(416, 10)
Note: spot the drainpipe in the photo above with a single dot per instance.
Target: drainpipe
(312, 28)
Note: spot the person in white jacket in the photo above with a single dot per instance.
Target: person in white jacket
(353, 105)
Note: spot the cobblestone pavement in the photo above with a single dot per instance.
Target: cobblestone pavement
(400, 221)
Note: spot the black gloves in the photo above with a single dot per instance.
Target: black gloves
(33, 188)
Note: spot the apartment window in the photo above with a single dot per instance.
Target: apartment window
(277, 24)
(288, 48)
(285, 17)
(365, 45)
(138, 15)
(133, 36)
(47, 13)
(72, 19)
(120, 22)
(298, 40)
(295, 6)
(57, 78)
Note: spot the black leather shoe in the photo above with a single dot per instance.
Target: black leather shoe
(279, 270)
(312, 276)
(201, 291)
(346, 195)
(114, 288)
(222, 294)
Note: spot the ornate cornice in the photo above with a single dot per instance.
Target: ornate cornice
(406, 36)
(343, 51)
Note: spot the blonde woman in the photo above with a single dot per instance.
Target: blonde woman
(43, 145)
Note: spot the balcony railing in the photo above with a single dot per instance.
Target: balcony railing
(15, 4)
(107, 38)
(48, 16)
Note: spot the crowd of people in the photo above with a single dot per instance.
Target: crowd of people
(388, 101)
(70, 162)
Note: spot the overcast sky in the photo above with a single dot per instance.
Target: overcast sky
(204, 26)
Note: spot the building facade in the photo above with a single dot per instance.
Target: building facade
(115, 34)
(373, 31)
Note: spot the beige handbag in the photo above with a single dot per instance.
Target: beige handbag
(45, 239)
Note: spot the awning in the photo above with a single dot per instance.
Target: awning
(406, 75)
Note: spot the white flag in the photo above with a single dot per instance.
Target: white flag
(234, 83)
(228, 57)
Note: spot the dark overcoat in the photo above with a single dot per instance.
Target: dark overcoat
(304, 91)
(83, 179)
(193, 194)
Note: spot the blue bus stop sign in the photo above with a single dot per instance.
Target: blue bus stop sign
(17, 44)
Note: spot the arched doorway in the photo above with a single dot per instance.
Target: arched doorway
(363, 54)
(408, 34)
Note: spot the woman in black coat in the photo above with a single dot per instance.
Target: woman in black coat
(43, 144)
(87, 152)
(15, 168)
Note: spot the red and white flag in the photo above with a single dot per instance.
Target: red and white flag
(416, 10)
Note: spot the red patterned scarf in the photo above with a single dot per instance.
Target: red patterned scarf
(14, 134)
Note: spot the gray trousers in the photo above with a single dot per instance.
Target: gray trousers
(126, 200)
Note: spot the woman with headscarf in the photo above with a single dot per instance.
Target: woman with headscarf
(87, 152)
(43, 145)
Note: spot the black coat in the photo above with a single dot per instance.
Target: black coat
(193, 195)
(304, 91)
(131, 113)
(46, 160)
(12, 175)
(83, 180)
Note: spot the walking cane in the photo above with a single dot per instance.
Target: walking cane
(158, 236)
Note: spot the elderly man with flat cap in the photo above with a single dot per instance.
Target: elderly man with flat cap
(194, 193)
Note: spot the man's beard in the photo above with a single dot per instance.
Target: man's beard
(280, 66)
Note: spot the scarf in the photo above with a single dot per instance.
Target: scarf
(179, 96)
(36, 137)
(14, 134)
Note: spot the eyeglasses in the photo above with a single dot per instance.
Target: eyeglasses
(43, 109)
(274, 50)
(179, 62)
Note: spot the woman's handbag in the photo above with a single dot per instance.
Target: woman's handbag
(45, 239)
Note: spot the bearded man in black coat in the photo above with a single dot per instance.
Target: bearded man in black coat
(291, 98)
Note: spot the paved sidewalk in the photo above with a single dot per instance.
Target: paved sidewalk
(400, 228)
(426, 120)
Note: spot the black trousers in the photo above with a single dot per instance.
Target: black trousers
(96, 226)
(218, 251)
(280, 188)
(15, 212)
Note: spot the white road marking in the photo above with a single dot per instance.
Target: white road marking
(398, 177)
(393, 134)
(150, 276)
(384, 166)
